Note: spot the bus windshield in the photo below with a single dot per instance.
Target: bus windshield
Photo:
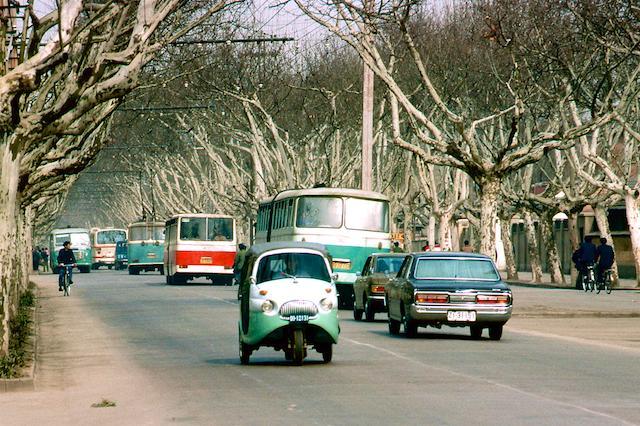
(111, 236)
(319, 212)
(206, 229)
(158, 233)
(146, 232)
(137, 233)
(78, 241)
(288, 265)
(367, 215)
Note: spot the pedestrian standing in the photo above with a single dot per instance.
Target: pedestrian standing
(238, 262)
(44, 254)
(467, 248)
(35, 258)
(396, 248)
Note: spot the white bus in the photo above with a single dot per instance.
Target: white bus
(350, 223)
(199, 245)
(103, 243)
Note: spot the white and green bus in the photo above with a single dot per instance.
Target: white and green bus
(80, 244)
(350, 223)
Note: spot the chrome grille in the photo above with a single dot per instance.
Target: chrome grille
(298, 307)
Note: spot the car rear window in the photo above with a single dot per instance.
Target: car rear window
(452, 268)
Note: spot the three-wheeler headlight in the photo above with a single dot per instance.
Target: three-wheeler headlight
(267, 306)
(326, 304)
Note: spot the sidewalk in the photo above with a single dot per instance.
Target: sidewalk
(80, 364)
(524, 279)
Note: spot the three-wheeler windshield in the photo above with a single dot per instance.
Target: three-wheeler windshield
(287, 265)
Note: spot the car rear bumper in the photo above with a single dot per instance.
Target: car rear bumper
(439, 313)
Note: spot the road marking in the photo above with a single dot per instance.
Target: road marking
(578, 340)
(491, 382)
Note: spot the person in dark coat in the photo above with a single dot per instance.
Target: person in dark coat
(35, 258)
(65, 257)
(605, 257)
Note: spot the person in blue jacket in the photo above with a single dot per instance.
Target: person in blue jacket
(605, 257)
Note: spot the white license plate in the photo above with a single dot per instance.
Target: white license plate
(468, 316)
(298, 318)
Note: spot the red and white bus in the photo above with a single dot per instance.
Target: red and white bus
(199, 245)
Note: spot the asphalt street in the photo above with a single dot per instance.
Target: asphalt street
(170, 356)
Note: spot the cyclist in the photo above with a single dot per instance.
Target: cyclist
(604, 257)
(584, 257)
(65, 257)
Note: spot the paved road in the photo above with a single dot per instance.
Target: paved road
(168, 354)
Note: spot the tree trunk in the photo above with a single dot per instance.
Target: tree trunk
(632, 205)
(575, 241)
(489, 194)
(605, 232)
(444, 231)
(553, 257)
(431, 231)
(10, 261)
(532, 244)
(408, 229)
(510, 260)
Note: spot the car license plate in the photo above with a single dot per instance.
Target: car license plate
(206, 261)
(337, 264)
(468, 316)
(298, 318)
(151, 255)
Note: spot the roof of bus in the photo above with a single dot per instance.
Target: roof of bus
(69, 230)
(349, 192)
(107, 229)
(214, 215)
(145, 223)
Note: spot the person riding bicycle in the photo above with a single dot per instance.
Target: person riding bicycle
(584, 257)
(605, 257)
(65, 257)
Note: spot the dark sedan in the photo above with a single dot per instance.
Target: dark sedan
(368, 290)
(448, 288)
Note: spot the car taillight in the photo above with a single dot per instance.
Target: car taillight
(377, 289)
(490, 299)
(432, 298)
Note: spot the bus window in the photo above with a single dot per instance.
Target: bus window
(319, 212)
(137, 233)
(367, 215)
(111, 236)
(61, 238)
(220, 229)
(193, 228)
(158, 233)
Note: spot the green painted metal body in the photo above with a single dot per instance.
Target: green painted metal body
(145, 253)
(261, 325)
(80, 244)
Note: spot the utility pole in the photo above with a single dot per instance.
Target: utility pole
(367, 119)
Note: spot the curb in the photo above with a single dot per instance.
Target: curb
(559, 286)
(27, 383)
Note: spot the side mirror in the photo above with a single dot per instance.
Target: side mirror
(358, 274)
(252, 280)
(334, 277)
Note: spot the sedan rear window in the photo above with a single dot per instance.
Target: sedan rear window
(451, 268)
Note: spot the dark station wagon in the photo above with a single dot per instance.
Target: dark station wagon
(368, 290)
(448, 288)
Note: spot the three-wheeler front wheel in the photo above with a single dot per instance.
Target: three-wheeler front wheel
(298, 346)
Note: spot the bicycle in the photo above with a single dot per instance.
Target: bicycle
(606, 283)
(589, 279)
(66, 285)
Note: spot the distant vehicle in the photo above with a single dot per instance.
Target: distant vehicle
(368, 290)
(80, 244)
(199, 245)
(448, 288)
(103, 242)
(288, 301)
(121, 255)
(145, 247)
(350, 223)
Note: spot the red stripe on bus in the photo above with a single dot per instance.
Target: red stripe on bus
(217, 258)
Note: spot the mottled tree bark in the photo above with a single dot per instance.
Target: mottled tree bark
(603, 226)
(510, 260)
(553, 257)
(532, 245)
(633, 218)
(489, 198)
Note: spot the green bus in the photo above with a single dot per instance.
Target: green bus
(145, 247)
(80, 244)
(350, 223)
